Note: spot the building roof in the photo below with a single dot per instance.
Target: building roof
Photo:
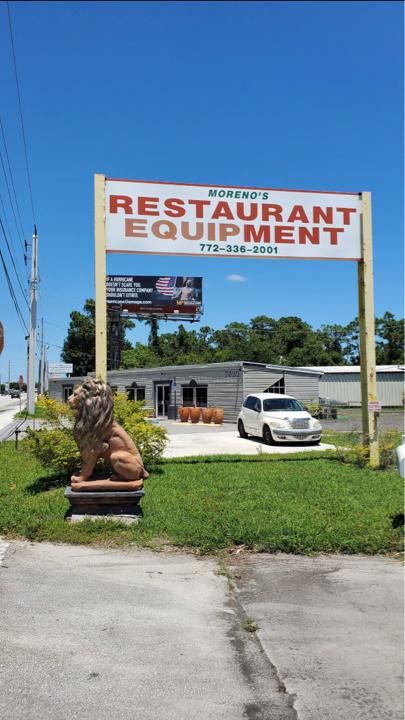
(204, 366)
(231, 363)
(347, 369)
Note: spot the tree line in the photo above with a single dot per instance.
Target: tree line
(284, 341)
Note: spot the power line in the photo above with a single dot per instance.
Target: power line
(11, 203)
(11, 175)
(14, 266)
(20, 109)
(7, 225)
(13, 295)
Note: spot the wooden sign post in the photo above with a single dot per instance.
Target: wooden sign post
(367, 334)
(100, 277)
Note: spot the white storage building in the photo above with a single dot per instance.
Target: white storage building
(341, 384)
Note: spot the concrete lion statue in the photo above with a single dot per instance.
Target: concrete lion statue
(98, 436)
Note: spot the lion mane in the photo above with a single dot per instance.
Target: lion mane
(94, 414)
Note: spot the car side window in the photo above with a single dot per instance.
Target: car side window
(248, 402)
(258, 405)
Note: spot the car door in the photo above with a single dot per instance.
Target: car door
(256, 410)
(248, 412)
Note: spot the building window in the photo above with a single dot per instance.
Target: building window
(67, 392)
(188, 397)
(136, 394)
(277, 387)
(201, 396)
(195, 396)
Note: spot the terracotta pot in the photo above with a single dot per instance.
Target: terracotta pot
(207, 414)
(218, 416)
(195, 414)
(184, 413)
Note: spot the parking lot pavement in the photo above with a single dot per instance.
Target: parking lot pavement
(332, 626)
(105, 634)
(228, 443)
(349, 419)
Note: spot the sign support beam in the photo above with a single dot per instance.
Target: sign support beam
(367, 334)
(100, 277)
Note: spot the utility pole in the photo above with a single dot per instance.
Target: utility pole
(33, 325)
(9, 372)
(42, 361)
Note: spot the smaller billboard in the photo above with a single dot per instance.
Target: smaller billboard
(164, 294)
(60, 368)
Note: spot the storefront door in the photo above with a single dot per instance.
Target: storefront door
(162, 400)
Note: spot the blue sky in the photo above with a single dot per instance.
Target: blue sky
(302, 95)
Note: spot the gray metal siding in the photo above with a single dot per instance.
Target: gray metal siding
(346, 388)
(302, 387)
(227, 384)
(224, 384)
(255, 381)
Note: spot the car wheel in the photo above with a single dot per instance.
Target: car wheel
(241, 429)
(267, 436)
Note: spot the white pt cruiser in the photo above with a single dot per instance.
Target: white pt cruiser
(278, 418)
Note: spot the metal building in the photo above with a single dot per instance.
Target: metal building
(222, 385)
(341, 384)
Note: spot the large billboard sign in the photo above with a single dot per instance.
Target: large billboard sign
(214, 221)
(168, 294)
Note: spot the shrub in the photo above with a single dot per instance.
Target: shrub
(55, 446)
(314, 409)
(353, 451)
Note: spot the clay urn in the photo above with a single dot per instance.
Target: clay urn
(195, 414)
(218, 416)
(184, 414)
(207, 414)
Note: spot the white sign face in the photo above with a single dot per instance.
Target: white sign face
(60, 368)
(216, 221)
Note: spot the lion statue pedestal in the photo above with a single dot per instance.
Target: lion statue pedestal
(115, 494)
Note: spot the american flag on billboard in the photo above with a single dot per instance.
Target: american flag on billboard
(166, 285)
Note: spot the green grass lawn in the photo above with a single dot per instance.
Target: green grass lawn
(293, 504)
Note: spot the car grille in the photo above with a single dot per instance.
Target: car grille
(300, 424)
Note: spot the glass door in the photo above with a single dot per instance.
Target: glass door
(162, 400)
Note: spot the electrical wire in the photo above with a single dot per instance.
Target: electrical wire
(20, 109)
(20, 237)
(11, 176)
(13, 295)
(9, 231)
(14, 265)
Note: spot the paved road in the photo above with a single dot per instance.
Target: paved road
(91, 633)
(9, 407)
(333, 627)
(104, 634)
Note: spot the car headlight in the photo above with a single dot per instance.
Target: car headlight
(278, 423)
(316, 424)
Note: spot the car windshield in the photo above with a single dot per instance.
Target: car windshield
(282, 404)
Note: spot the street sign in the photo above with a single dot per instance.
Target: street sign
(60, 368)
(21, 380)
(374, 406)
